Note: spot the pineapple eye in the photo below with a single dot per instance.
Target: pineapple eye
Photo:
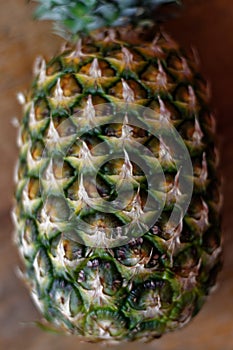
(186, 261)
(138, 90)
(37, 150)
(53, 67)
(42, 110)
(175, 62)
(153, 296)
(22, 169)
(24, 134)
(186, 95)
(101, 277)
(34, 188)
(57, 208)
(70, 85)
(62, 170)
(106, 69)
(66, 298)
(103, 65)
(136, 252)
(211, 240)
(90, 48)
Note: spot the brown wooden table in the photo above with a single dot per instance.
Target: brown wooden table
(209, 27)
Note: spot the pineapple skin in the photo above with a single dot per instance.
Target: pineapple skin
(155, 283)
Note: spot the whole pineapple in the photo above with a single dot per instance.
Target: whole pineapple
(131, 270)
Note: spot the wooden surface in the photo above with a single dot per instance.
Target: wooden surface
(208, 27)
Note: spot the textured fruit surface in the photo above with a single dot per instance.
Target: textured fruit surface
(156, 282)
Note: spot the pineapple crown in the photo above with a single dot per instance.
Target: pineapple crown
(79, 17)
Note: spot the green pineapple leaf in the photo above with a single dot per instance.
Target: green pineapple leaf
(81, 17)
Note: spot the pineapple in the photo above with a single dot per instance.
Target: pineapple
(117, 194)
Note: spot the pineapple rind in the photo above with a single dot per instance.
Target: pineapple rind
(152, 284)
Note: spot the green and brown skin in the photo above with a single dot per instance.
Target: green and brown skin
(146, 288)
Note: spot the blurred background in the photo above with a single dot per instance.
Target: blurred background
(208, 26)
